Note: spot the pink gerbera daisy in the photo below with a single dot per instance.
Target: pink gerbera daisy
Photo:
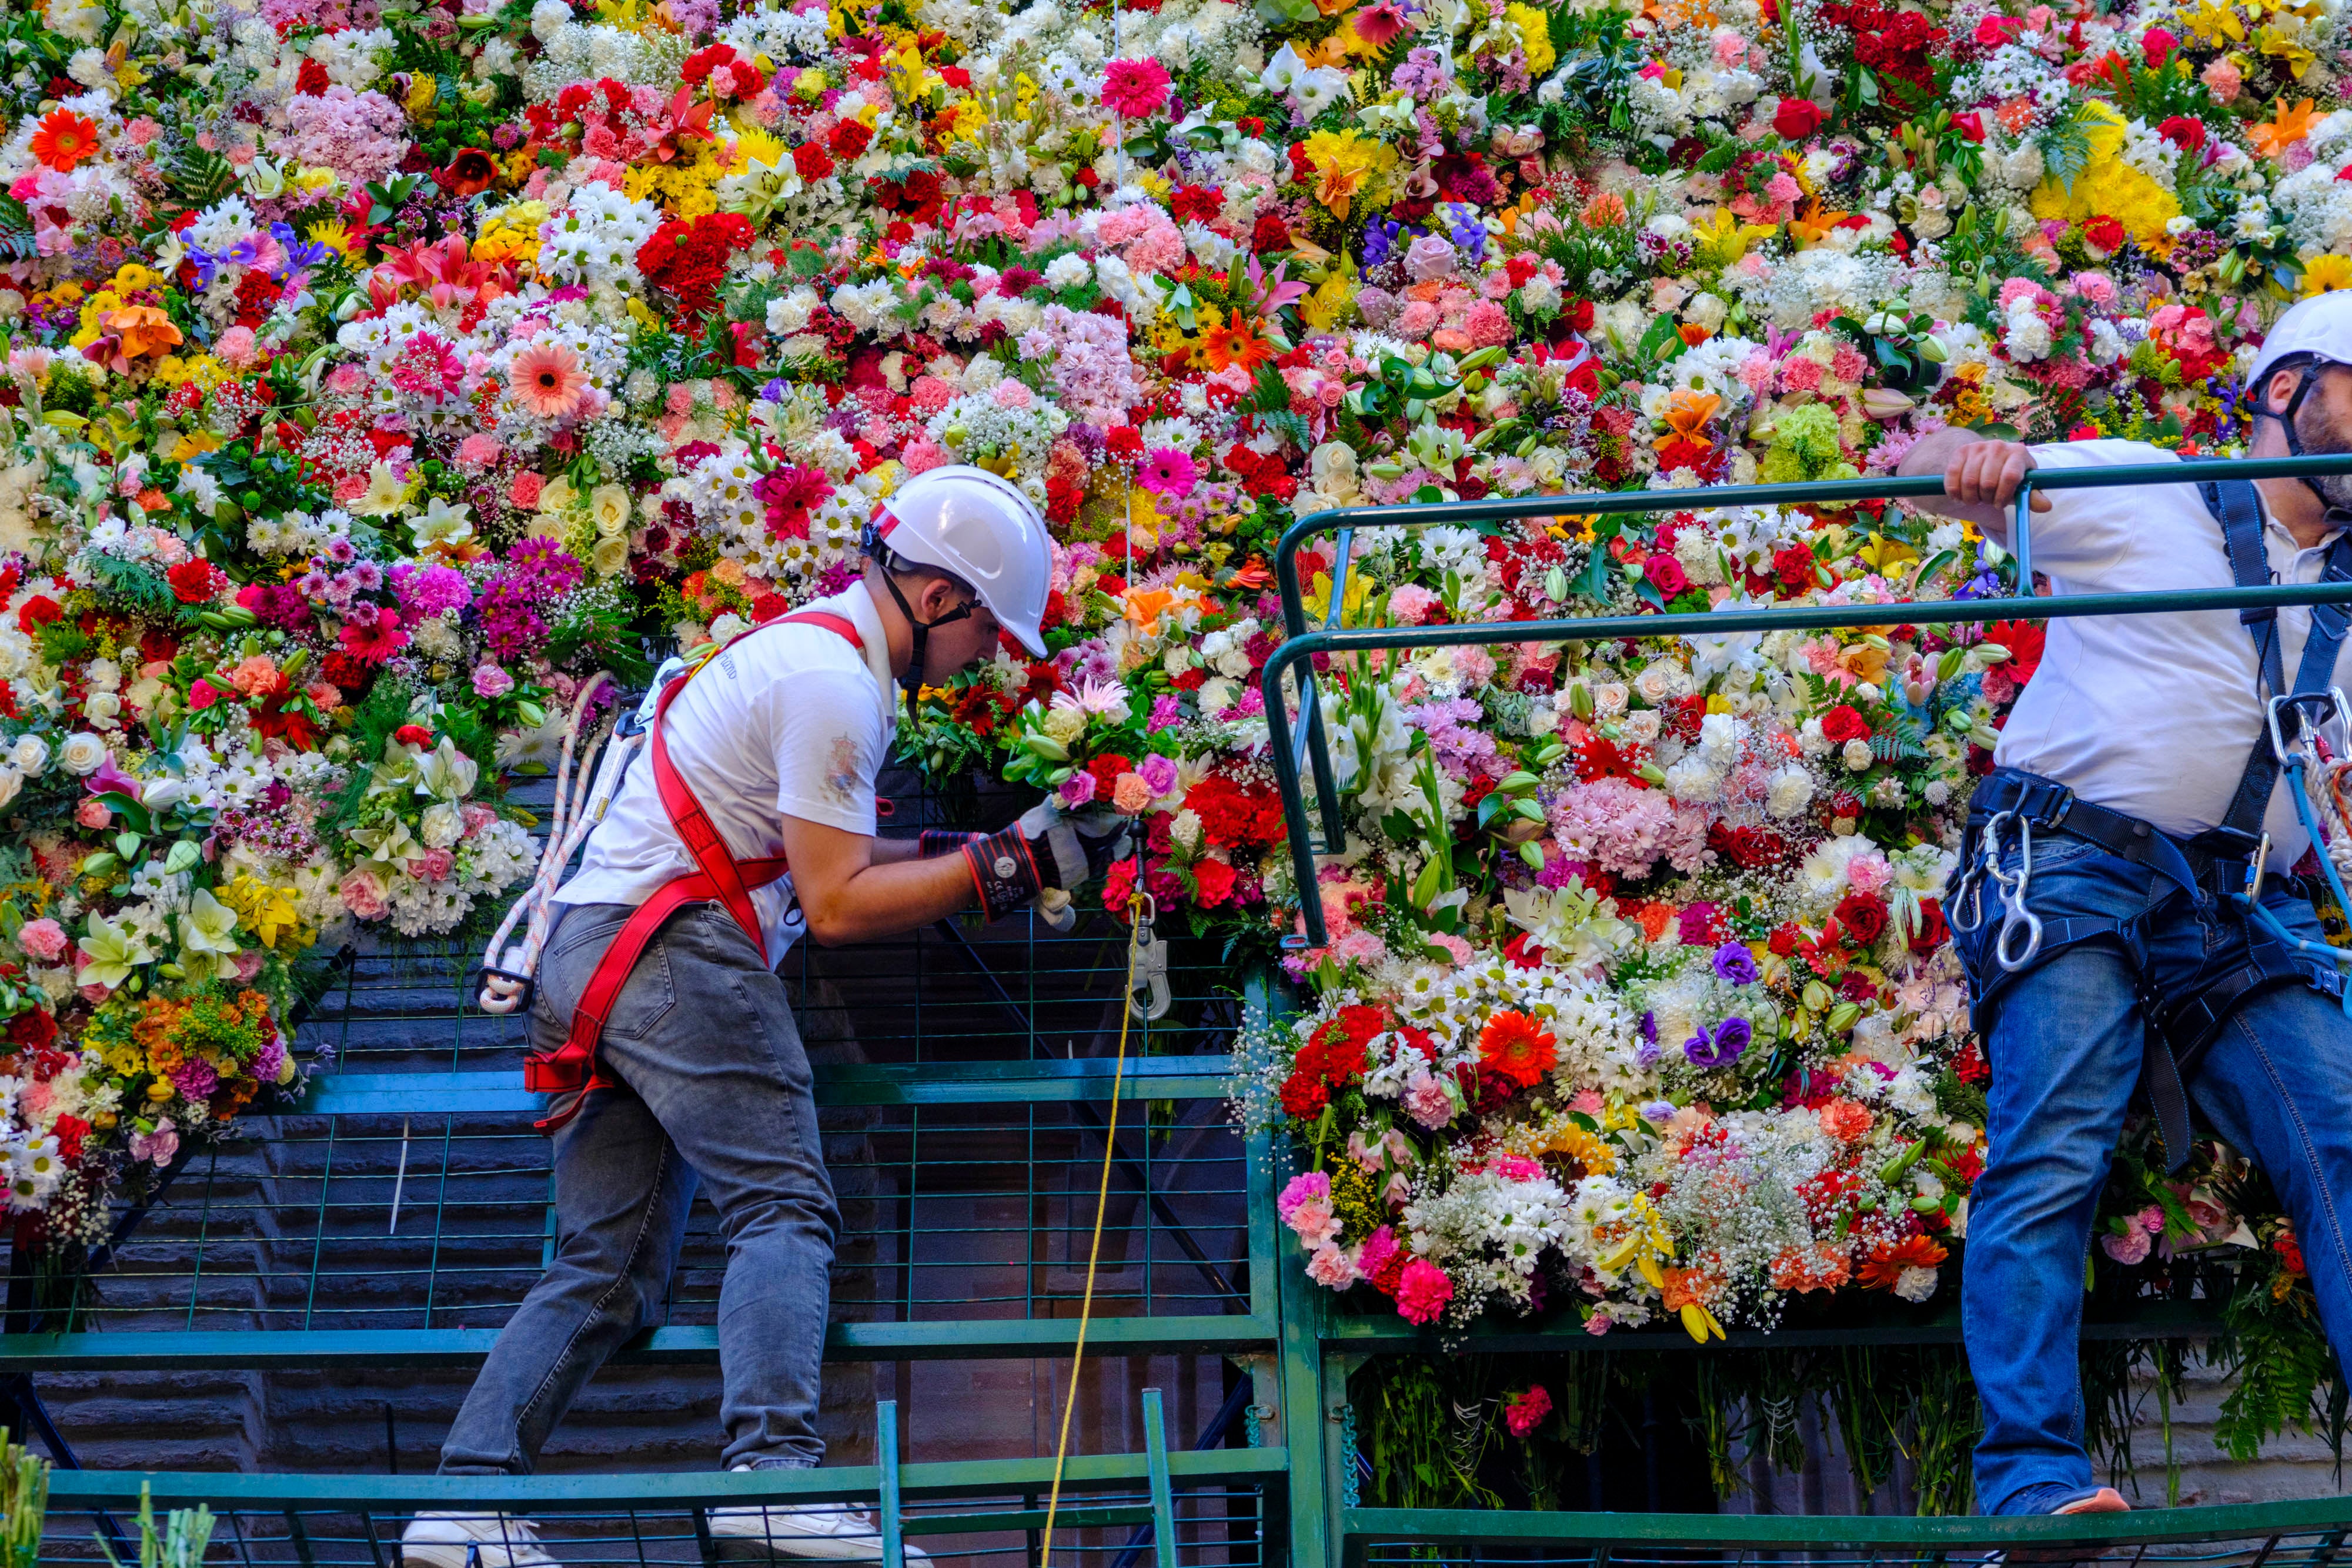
(547, 380)
(372, 640)
(1135, 87)
(1168, 472)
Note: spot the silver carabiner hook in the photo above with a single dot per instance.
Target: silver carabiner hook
(2014, 912)
(1970, 890)
(1148, 997)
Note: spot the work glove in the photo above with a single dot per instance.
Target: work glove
(1045, 856)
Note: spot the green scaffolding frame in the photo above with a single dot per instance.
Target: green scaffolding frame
(1297, 1344)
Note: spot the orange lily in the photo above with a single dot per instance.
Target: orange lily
(1687, 413)
(2291, 126)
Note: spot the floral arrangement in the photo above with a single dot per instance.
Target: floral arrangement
(379, 370)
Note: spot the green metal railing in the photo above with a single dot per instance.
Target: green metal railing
(2306, 1534)
(1302, 643)
(1159, 1507)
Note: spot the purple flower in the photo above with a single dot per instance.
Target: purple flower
(490, 680)
(1658, 1113)
(1079, 788)
(1648, 1052)
(1735, 963)
(1730, 1040)
(1167, 713)
(1160, 773)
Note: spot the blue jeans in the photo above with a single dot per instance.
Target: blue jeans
(2065, 1045)
(716, 1086)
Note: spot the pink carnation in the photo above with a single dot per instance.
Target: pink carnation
(362, 895)
(1423, 1292)
(1332, 1267)
(1523, 1413)
(1427, 1102)
(44, 939)
(1314, 1187)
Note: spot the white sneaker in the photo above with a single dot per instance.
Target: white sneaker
(831, 1531)
(448, 1540)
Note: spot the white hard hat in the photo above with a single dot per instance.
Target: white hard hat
(2320, 326)
(980, 527)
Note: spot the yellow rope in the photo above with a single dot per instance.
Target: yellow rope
(1093, 1248)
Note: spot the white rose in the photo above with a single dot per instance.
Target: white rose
(10, 782)
(1856, 754)
(1641, 728)
(103, 709)
(31, 754)
(82, 754)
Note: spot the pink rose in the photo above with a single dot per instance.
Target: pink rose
(92, 812)
(44, 939)
(435, 865)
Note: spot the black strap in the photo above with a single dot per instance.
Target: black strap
(2239, 509)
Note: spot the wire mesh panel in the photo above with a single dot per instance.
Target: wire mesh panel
(964, 1197)
(1217, 1526)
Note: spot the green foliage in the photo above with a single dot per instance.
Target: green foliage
(180, 1543)
(2066, 145)
(23, 1499)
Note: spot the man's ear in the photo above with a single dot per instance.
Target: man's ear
(2279, 390)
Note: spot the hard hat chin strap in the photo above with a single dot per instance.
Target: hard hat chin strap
(890, 561)
(2304, 379)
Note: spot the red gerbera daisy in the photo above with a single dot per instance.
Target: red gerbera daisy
(1516, 1047)
(64, 139)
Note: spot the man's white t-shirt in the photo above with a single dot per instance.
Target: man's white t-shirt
(788, 721)
(2153, 716)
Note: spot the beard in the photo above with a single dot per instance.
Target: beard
(2320, 438)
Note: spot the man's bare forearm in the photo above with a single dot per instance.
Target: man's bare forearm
(1981, 476)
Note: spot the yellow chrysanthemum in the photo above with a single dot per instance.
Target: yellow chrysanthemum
(1535, 37)
(2107, 187)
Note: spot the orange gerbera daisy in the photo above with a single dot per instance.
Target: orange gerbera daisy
(1516, 1047)
(1225, 345)
(547, 380)
(64, 139)
(1887, 1262)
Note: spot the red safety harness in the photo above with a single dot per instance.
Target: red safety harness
(572, 1070)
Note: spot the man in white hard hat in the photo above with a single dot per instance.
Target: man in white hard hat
(2138, 763)
(692, 1068)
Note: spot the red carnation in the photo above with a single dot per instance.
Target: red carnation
(1215, 879)
(1842, 724)
(196, 581)
(2105, 234)
(813, 162)
(849, 139)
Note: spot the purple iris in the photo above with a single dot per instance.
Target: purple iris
(1723, 1048)
(1647, 1054)
(1736, 963)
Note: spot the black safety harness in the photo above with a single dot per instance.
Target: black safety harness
(2209, 867)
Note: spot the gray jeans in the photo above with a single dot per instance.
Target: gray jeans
(718, 1087)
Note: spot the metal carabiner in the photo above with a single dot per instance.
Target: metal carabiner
(2014, 911)
(1147, 996)
(1971, 889)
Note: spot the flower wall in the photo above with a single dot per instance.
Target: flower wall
(377, 370)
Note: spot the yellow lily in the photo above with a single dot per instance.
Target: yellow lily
(2212, 21)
